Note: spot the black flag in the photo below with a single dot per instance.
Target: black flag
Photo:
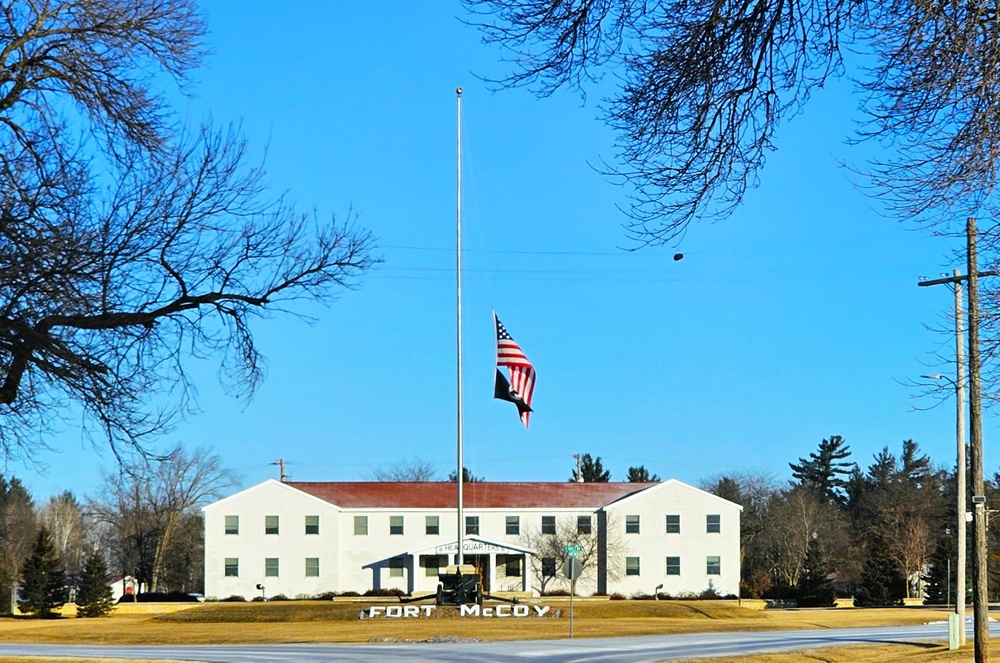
(502, 390)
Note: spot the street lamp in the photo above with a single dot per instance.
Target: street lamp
(960, 489)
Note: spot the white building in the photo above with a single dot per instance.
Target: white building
(303, 539)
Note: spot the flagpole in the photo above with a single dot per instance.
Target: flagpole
(459, 558)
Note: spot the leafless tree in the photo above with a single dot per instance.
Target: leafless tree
(144, 508)
(568, 533)
(63, 517)
(129, 244)
(704, 87)
(405, 470)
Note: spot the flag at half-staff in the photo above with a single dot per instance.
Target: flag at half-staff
(519, 389)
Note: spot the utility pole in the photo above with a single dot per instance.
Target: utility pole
(979, 552)
(579, 468)
(980, 606)
(281, 469)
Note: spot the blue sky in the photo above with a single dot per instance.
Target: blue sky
(797, 318)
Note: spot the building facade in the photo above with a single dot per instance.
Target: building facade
(303, 539)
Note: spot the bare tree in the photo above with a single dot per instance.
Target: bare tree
(406, 470)
(124, 254)
(569, 533)
(704, 87)
(63, 517)
(144, 509)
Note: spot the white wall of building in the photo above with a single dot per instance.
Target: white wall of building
(350, 561)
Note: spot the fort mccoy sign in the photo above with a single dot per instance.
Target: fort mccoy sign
(469, 610)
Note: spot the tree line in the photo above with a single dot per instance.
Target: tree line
(145, 523)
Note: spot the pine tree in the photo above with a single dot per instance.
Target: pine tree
(94, 598)
(826, 470)
(43, 580)
(815, 586)
(591, 470)
(937, 579)
(882, 583)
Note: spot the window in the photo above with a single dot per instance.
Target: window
(432, 566)
(433, 525)
(631, 524)
(583, 525)
(312, 567)
(713, 524)
(513, 567)
(713, 567)
(513, 525)
(631, 566)
(548, 567)
(673, 566)
(395, 524)
(312, 524)
(232, 524)
(472, 524)
(360, 525)
(548, 524)
(396, 566)
(232, 567)
(270, 524)
(673, 524)
(271, 567)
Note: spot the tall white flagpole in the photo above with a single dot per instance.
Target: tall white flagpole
(459, 559)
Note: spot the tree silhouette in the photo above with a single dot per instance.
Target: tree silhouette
(94, 596)
(43, 581)
(591, 470)
(640, 475)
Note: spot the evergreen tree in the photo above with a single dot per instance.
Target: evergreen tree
(43, 581)
(640, 475)
(937, 580)
(467, 476)
(825, 470)
(815, 586)
(882, 584)
(592, 471)
(94, 598)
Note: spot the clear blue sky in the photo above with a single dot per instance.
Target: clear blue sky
(796, 319)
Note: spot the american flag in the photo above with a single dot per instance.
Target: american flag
(522, 373)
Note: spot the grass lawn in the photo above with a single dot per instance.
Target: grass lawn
(334, 621)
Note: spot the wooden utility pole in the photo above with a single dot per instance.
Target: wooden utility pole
(980, 605)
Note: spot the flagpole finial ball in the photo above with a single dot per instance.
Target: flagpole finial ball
(458, 91)
(678, 256)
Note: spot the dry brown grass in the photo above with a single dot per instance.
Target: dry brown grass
(925, 653)
(326, 621)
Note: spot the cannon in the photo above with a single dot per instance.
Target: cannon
(458, 585)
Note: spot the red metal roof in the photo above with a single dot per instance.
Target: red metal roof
(476, 495)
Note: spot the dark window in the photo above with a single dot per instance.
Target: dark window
(631, 524)
(673, 566)
(270, 524)
(232, 524)
(631, 566)
(513, 567)
(472, 524)
(395, 524)
(583, 525)
(396, 567)
(548, 567)
(432, 525)
(312, 524)
(673, 524)
(713, 566)
(548, 524)
(271, 567)
(713, 524)
(513, 525)
(232, 567)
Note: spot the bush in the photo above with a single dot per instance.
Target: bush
(616, 596)
(556, 592)
(235, 598)
(278, 597)
(164, 597)
(384, 592)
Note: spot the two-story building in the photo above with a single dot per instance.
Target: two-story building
(306, 538)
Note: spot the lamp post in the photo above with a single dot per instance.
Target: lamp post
(962, 456)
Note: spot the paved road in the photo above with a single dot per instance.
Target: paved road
(645, 648)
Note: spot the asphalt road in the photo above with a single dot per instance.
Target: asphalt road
(645, 648)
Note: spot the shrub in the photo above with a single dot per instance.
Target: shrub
(278, 597)
(556, 592)
(235, 598)
(616, 596)
(166, 597)
(384, 592)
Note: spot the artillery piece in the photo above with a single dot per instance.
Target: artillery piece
(458, 585)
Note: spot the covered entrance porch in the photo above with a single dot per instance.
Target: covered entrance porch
(503, 567)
